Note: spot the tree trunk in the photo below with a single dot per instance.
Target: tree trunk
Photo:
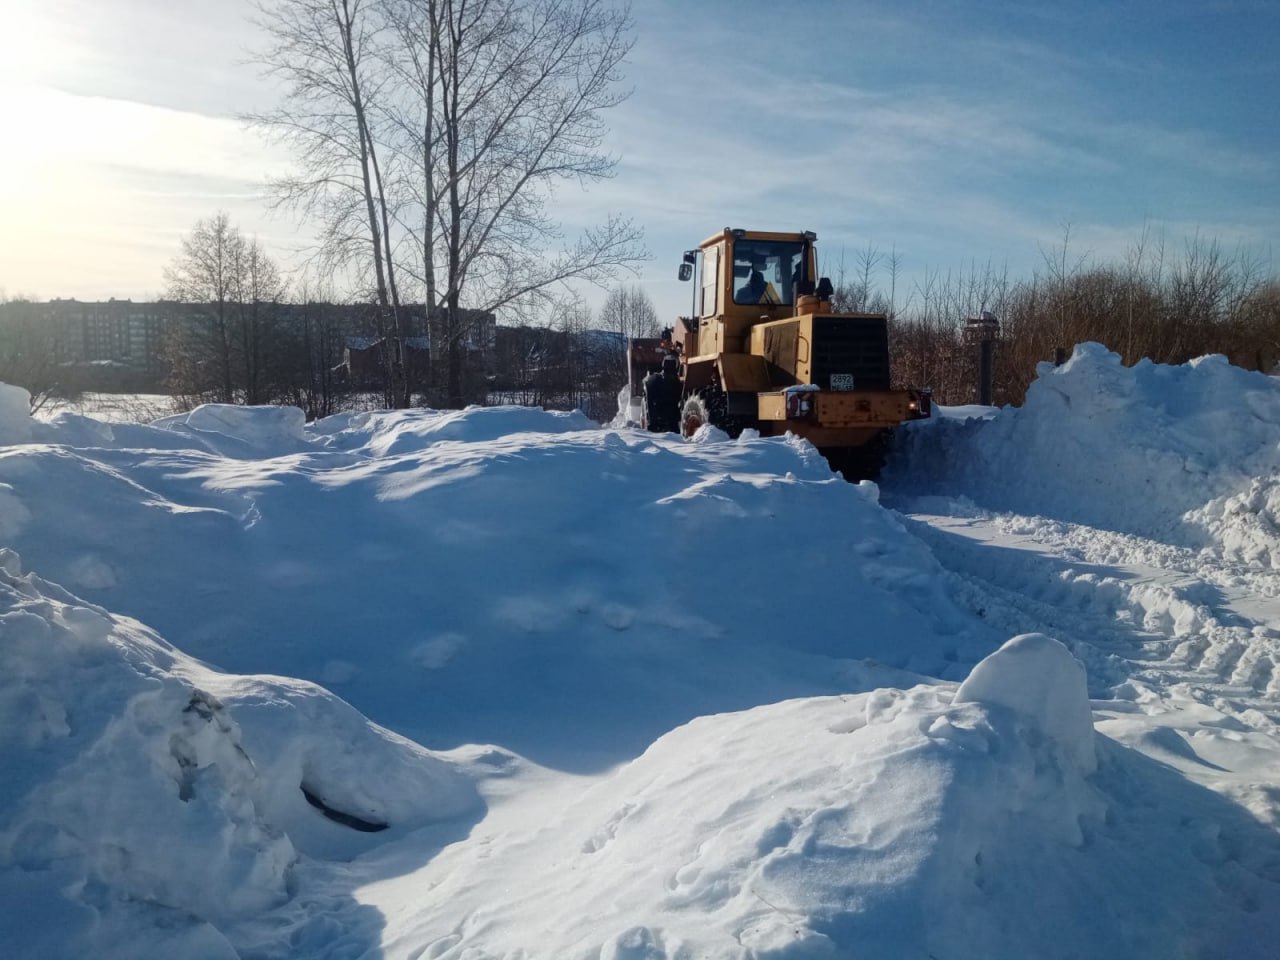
(393, 370)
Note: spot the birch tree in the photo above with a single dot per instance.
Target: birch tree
(430, 137)
(323, 51)
(519, 89)
(220, 345)
(205, 273)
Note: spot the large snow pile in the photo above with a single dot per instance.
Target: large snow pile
(144, 790)
(1184, 453)
(422, 562)
(984, 821)
(595, 694)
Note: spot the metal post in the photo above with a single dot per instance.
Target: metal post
(986, 357)
(983, 331)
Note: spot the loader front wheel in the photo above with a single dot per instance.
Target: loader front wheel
(694, 414)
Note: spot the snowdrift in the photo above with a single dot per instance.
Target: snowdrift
(419, 563)
(973, 822)
(1185, 454)
(146, 795)
(650, 698)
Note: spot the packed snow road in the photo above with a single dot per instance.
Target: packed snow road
(1185, 640)
(1131, 513)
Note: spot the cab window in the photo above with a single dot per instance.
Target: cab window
(766, 271)
(710, 280)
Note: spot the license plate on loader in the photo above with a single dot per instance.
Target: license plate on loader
(841, 381)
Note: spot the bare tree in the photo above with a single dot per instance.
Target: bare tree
(446, 123)
(206, 273)
(259, 291)
(508, 105)
(323, 50)
(630, 312)
(894, 263)
(868, 260)
(30, 351)
(314, 344)
(220, 343)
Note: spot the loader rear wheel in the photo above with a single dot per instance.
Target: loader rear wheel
(859, 463)
(661, 404)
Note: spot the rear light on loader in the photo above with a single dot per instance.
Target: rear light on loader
(801, 404)
(921, 404)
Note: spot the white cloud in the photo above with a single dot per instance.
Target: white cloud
(101, 190)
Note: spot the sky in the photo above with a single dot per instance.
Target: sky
(954, 135)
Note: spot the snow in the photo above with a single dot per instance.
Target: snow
(107, 408)
(1127, 449)
(1036, 677)
(261, 429)
(496, 682)
(15, 414)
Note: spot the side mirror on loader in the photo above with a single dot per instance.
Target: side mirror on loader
(686, 271)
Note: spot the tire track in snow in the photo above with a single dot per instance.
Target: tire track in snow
(1129, 608)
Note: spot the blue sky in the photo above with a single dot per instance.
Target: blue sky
(953, 133)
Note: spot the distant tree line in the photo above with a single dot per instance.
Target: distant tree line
(246, 337)
(1154, 303)
(234, 331)
(249, 346)
(579, 362)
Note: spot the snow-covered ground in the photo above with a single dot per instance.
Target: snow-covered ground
(498, 683)
(112, 407)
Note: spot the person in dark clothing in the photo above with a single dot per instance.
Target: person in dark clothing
(756, 290)
(752, 291)
(662, 397)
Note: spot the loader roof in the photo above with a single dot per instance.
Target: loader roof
(740, 234)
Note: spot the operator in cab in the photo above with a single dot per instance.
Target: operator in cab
(757, 289)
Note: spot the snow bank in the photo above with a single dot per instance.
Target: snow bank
(136, 798)
(315, 752)
(898, 823)
(128, 783)
(15, 414)
(708, 655)
(393, 433)
(1132, 449)
(233, 430)
(419, 584)
(1246, 525)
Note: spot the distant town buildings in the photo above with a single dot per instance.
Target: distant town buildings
(313, 355)
(121, 344)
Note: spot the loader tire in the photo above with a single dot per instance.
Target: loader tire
(661, 404)
(710, 405)
(693, 415)
(859, 463)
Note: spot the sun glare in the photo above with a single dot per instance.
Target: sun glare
(31, 47)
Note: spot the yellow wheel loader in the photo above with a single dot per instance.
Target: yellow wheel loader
(764, 350)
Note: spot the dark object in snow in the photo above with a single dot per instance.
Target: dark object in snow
(337, 816)
(662, 397)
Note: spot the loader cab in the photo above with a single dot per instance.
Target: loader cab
(750, 273)
(768, 272)
(744, 277)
